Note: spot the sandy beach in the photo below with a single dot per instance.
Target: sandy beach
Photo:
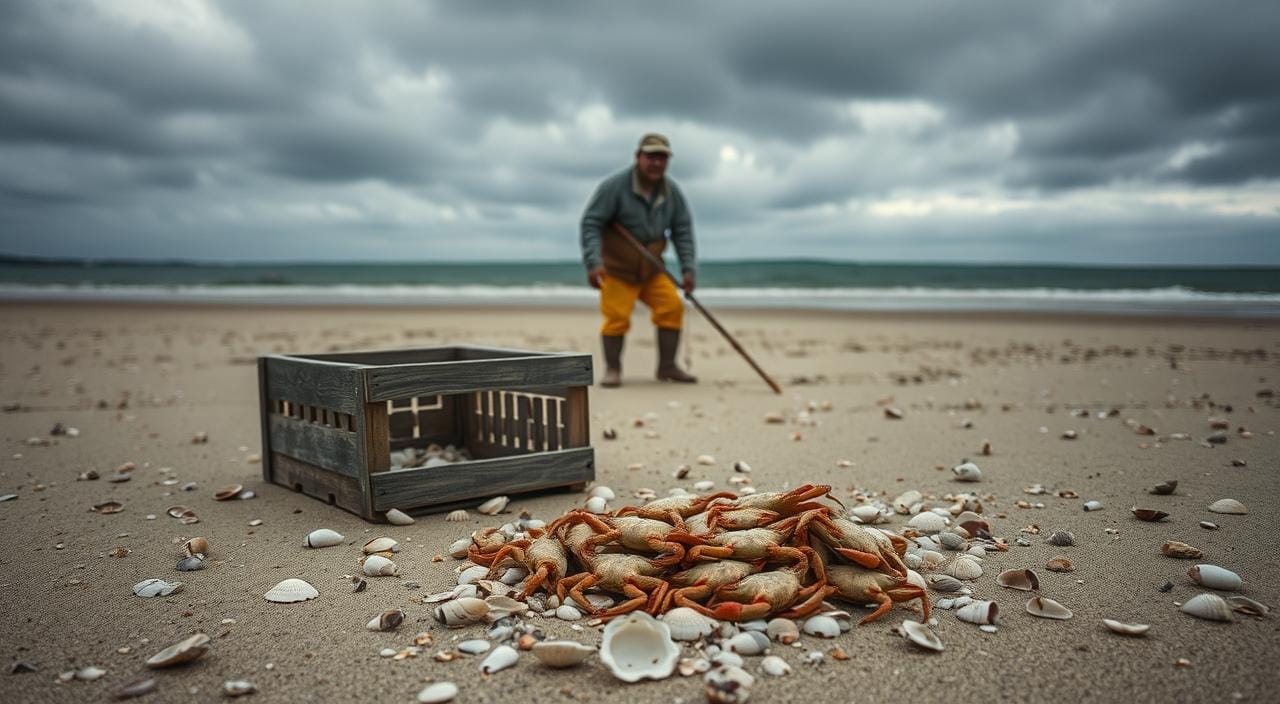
(138, 382)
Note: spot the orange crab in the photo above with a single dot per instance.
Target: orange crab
(776, 592)
(762, 509)
(674, 509)
(701, 580)
(632, 532)
(868, 547)
(545, 557)
(861, 586)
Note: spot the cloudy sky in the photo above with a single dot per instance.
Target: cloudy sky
(1122, 131)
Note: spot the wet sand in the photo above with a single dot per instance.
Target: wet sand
(139, 381)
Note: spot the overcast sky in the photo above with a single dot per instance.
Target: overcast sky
(1124, 131)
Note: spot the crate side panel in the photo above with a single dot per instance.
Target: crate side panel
(418, 355)
(319, 483)
(329, 386)
(482, 478)
(386, 383)
(330, 448)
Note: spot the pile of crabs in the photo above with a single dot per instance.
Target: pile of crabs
(731, 558)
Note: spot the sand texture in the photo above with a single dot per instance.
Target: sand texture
(138, 382)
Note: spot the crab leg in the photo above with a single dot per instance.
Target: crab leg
(810, 604)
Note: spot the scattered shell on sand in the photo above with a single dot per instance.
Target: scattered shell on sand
(728, 684)
(783, 630)
(1210, 607)
(747, 643)
(290, 591)
(396, 517)
(89, 674)
(185, 514)
(322, 538)
(1165, 488)
(458, 549)
(637, 646)
(493, 506)
(1180, 550)
(1062, 538)
(1093, 506)
(386, 621)
(706, 460)
(1059, 564)
(379, 566)
(381, 545)
(920, 635)
(1215, 577)
(228, 492)
(1245, 605)
(893, 413)
(1208, 525)
(741, 467)
(461, 612)
(967, 472)
(457, 516)
(944, 583)
(596, 504)
(501, 658)
(1148, 514)
(1228, 506)
(979, 612)
(438, 693)
(136, 688)
(178, 653)
(1022, 580)
(238, 688)
(1126, 629)
(148, 588)
(685, 624)
(106, 507)
(928, 522)
(196, 546)
(1045, 607)
(190, 563)
(474, 646)
(775, 666)
(561, 653)
(821, 626)
(964, 567)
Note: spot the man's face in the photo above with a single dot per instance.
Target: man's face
(653, 165)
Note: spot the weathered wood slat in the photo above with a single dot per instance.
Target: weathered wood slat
(402, 380)
(312, 383)
(265, 410)
(508, 421)
(538, 436)
(482, 478)
(471, 352)
(553, 425)
(332, 449)
(340, 490)
(417, 355)
(577, 418)
(524, 414)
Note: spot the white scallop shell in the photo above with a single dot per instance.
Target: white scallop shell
(775, 666)
(381, 545)
(979, 612)
(928, 522)
(1044, 607)
(461, 611)
(967, 472)
(686, 624)
(501, 658)
(561, 653)
(438, 693)
(1126, 629)
(178, 653)
(290, 591)
(396, 517)
(379, 566)
(148, 588)
(493, 506)
(921, 635)
(1228, 506)
(322, 538)
(1210, 607)
(637, 646)
(458, 516)
(1215, 577)
(822, 626)
(964, 567)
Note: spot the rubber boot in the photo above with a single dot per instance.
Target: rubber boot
(612, 345)
(668, 345)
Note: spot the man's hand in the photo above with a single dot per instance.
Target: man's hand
(595, 276)
(689, 282)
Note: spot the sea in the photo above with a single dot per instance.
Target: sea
(1243, 292)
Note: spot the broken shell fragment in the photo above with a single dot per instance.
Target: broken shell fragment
(179, 653)
(1164, 488)
(396, 517)
(386, 621)
(322, 538)
(637, 646)
(561, 653)
(1059, 564)
(1228, 506)
(1245, 605)
(493, 506)
(136, 688)
(108, 507)
(1126, 629)
(501, 658)
(1022, 580)
(1062, 538)
(290, 591)
(1180, 550)
(1045, 607)
(1210, 607)
(979, 612)
(459, 548)
(461, 612)
(190, 563)
(1215, 577)
(1148, 514)
(920, 635)
(458, 516)
(228, 492)
(148, 588)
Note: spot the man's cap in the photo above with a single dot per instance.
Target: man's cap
(654, 142)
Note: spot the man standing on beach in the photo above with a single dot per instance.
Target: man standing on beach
(652, 208)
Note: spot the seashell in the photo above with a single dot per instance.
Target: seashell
(461, 612)
(1044, 607)
(1164, 488)
(1059, 564)
(920, 635)
(822, 626)
(690, 666)
(386, 621)
(867, 514)
(565, 612)
(783, 630)
(513, 575)
(1093, 506)
(685, 624)
(396, 517)
(706, 460)
(916, 579)
(928, 522)
(503, 606)
(196, 546)
(1126, 629)
(1228, 506)
(136, 688)
(381, 545)
(1062, 538)
(178, 653)
(967, 472)
(228, 492)
(944, 583)
(964, 567)
(322, 538)
(1215, 577)
(1022, 580)
(474, 646)
(747, 643)
(148, 588)
(758, 625)
(561, 653)
(493, 506)
(379, 566)
(597, 504)
(238, 688)
(979, 612)
(89, 674)
(1210, 607)
(472, 574)
(1173, 548)
(1149, 514)
(459, 548)
(728, 684)
(1208, 525)
(501, 658)
(741, 467)
(906, 500)
(775, 666)
(180, 512)
(190, 563)
(950, 541)
(458, 516)
(1245, 605)
(637, 646)
(725, 658)
(704, 485)
(438, 693)
(105, 508)
(893, 413)
(603, 492)
(290, 591)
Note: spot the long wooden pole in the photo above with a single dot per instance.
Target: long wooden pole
(653, 259)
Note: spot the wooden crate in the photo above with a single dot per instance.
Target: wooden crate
(330, 422)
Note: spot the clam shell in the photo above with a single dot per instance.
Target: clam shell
(603, 492)
(783, 630)
(1062, 538)
(979, 612)
(1148, 514)
(597, 504)
(775, 666)
(928, 522)
(461, 612)
(1228, 506)
(322, 538)
(867, 514)
(944, 583)
(1210, 607)
(228, 492)
(458, 549)
(967, 472)
(1022, 580)
(1045, 607)
(1173, 548)
(378, 566)
(822, 626)
(396, 517)
(1164, 488)
(386, 621)
(438, 693)
(501, 658)
(493, 506)
(178, 653)
(474, 646)
(190, 563)
(747, 643)
(148, 588)
(920, 635)
(685, 624)
(561, 653)
(1215, 577)
(291, 590)
(196, 546)
(950, 541)
(381, 545)
(1126, 629)
(458, 516)
(637, 646)
(964, 567)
